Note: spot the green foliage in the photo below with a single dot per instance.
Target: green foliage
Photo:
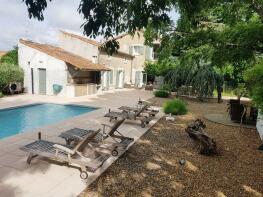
(202, 77)
(166, 65)
(161, 94)
(254, 80)
(205, 80)
(240, 91)
(175, 107)
(11, 57)
(231, 32)
(1, 95)
(108, 18)
(9, 74)
(160, 68)
(166, 87)
(151, 69)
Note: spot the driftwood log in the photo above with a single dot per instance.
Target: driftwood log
(207, 145)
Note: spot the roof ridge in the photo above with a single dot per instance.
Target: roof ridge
(80, 37)
(66, 56)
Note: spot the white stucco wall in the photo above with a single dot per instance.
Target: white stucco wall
(77, 46)
(260, 125)
(116, 63)
(55, 69)
(139, 60)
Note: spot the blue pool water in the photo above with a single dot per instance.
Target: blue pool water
(21, 119)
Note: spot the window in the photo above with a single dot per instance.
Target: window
(137, 50)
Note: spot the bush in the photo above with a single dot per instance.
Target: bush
(254, 81)
(175, 107)
(161, 94)
(11, 57)
(240, 91)
(10, 73)
(1, 95)
(166, 87)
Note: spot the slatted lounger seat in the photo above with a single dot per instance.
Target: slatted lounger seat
(111, 140)
(73, 156)
(78, 134)
(148, 110)
(131, 115)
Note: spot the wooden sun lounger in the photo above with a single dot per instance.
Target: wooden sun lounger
(131, 115)
(77, 134)
(73, 156)
(99, 142)
(148, 110)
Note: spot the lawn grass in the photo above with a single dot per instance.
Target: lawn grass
(229, 93)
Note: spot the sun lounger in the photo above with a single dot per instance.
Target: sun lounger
(131, 115)
(150, 109)
(73, 156)
(116, 141)
(147, 109)
(77, 134)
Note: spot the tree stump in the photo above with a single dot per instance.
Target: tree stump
(207, 145)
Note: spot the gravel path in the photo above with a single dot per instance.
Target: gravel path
(151, 167)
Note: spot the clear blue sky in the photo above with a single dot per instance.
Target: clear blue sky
(16, 24)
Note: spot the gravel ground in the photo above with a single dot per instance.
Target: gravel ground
(151, 166)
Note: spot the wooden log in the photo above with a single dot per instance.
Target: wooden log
(207, 145)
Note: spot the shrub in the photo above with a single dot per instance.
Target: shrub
(166, 87)
(240, 91)
(11, 57)
(254, 81)
(1, 95)
(175, 107)
(9, 74)
(161, 94)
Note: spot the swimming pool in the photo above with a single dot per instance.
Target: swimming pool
(21, 119)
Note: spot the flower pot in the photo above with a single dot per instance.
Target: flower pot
(236, 111)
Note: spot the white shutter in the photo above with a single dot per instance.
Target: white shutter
(148, 54)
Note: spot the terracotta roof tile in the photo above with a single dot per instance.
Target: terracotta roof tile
(2, 53)
(59, 53)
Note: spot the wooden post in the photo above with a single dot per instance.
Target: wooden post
(39, 135)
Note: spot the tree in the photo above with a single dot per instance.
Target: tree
(112, 17)
(9, 74)
(11, 57)
(254, 79)
(231, 29)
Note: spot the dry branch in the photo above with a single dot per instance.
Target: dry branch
(207, 145)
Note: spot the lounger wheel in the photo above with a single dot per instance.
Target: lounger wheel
(84, 175)
(143, 125)
(115, 153)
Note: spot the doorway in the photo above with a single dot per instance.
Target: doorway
(119, 79)
(42, 73)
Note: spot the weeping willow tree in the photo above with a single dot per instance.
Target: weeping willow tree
(203, 80)
(196, 70)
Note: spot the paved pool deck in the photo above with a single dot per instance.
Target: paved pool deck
(43, 179)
